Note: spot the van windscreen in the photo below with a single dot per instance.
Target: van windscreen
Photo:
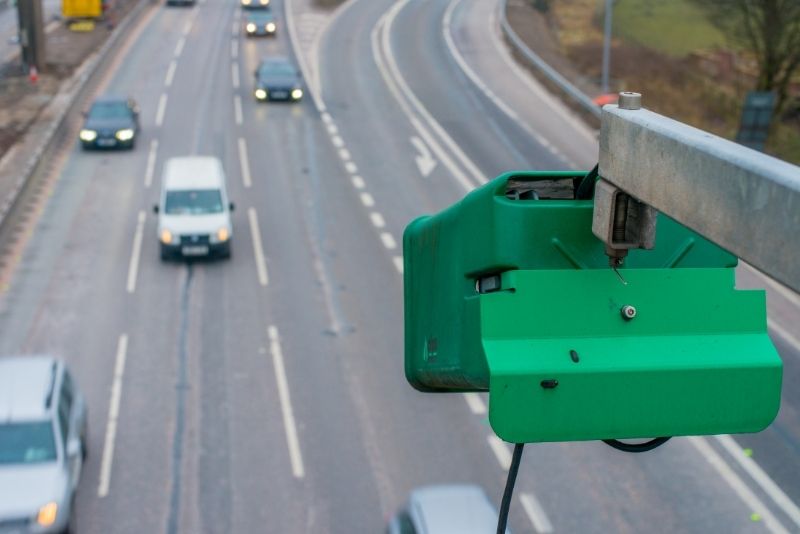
(193, 202)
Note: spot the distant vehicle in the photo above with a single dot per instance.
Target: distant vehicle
(278, 79)
(194, 216)
(446, 509)
(111, 122)
(255, 4)
(260, 23)
(43, 430)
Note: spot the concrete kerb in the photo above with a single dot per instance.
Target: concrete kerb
(64, 102)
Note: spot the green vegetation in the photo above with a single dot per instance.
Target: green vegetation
(673, 27)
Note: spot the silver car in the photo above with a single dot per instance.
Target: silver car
(446, 509)
(42, 444)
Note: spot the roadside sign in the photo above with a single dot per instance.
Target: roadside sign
(756, 119)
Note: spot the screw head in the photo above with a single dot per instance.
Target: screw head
(628, 312)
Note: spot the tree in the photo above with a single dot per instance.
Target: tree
(770, 29)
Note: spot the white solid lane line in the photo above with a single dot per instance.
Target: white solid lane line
(151, 163)
(762, 479)
(244, 163)
(235, 75)
(500, 450)
(326, 118)
(179, 46)
(467, 70)
(475, 403)
(162, 109)
(113, 416)
(258, 247)
(377, 219)
(388, 240)
(367, 200)
(170, 73)
(133, 266)
(286, 404)
(237, 110)
(737, 485)
(398, 263)
(784, 333)
(536, 514)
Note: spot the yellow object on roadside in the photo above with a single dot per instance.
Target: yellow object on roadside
(81, 26)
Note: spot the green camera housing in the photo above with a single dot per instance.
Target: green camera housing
(513, 294)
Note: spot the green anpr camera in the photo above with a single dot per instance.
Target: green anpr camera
(509, 291)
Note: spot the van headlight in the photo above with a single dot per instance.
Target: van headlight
(270, 27)
(246, 2)
(261, 94)
(297, 94)
(124, 135)
(264, 2)
(223, 234)
(250, 27)
(88, 135)
(47, 514)
(166, 236)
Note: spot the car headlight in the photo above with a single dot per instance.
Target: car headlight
(250, 27)
(270, 27)
(264, 2)
(297, 94)
(124, 135)
(166, 236)
(246, 2)
(223, 234)
(88, 135)
(261, 94)
(47, 514)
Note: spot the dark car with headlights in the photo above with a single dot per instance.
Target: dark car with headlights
(278, 79)
(260, 24)
(255, 4)
(111, 122)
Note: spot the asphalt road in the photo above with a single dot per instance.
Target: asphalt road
(266, 393)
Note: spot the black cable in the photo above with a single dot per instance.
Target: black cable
(635, 447)
(585, 189)
(505, 506)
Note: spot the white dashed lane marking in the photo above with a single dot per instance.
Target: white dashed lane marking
(388, 240)
(377, 219)
(289, 425)
(113, 416)
(367, 200)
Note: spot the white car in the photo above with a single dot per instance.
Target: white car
(194, 214)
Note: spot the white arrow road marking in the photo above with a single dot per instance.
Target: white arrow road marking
(425, 161)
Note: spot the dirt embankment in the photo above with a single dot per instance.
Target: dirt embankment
(705, 88)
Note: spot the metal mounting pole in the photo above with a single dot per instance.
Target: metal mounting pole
(743, 200)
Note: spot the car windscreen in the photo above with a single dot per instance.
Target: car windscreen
(27, 443)
(193, 202)
(276, 69)
(109, 110)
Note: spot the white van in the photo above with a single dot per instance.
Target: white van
(194, 214)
